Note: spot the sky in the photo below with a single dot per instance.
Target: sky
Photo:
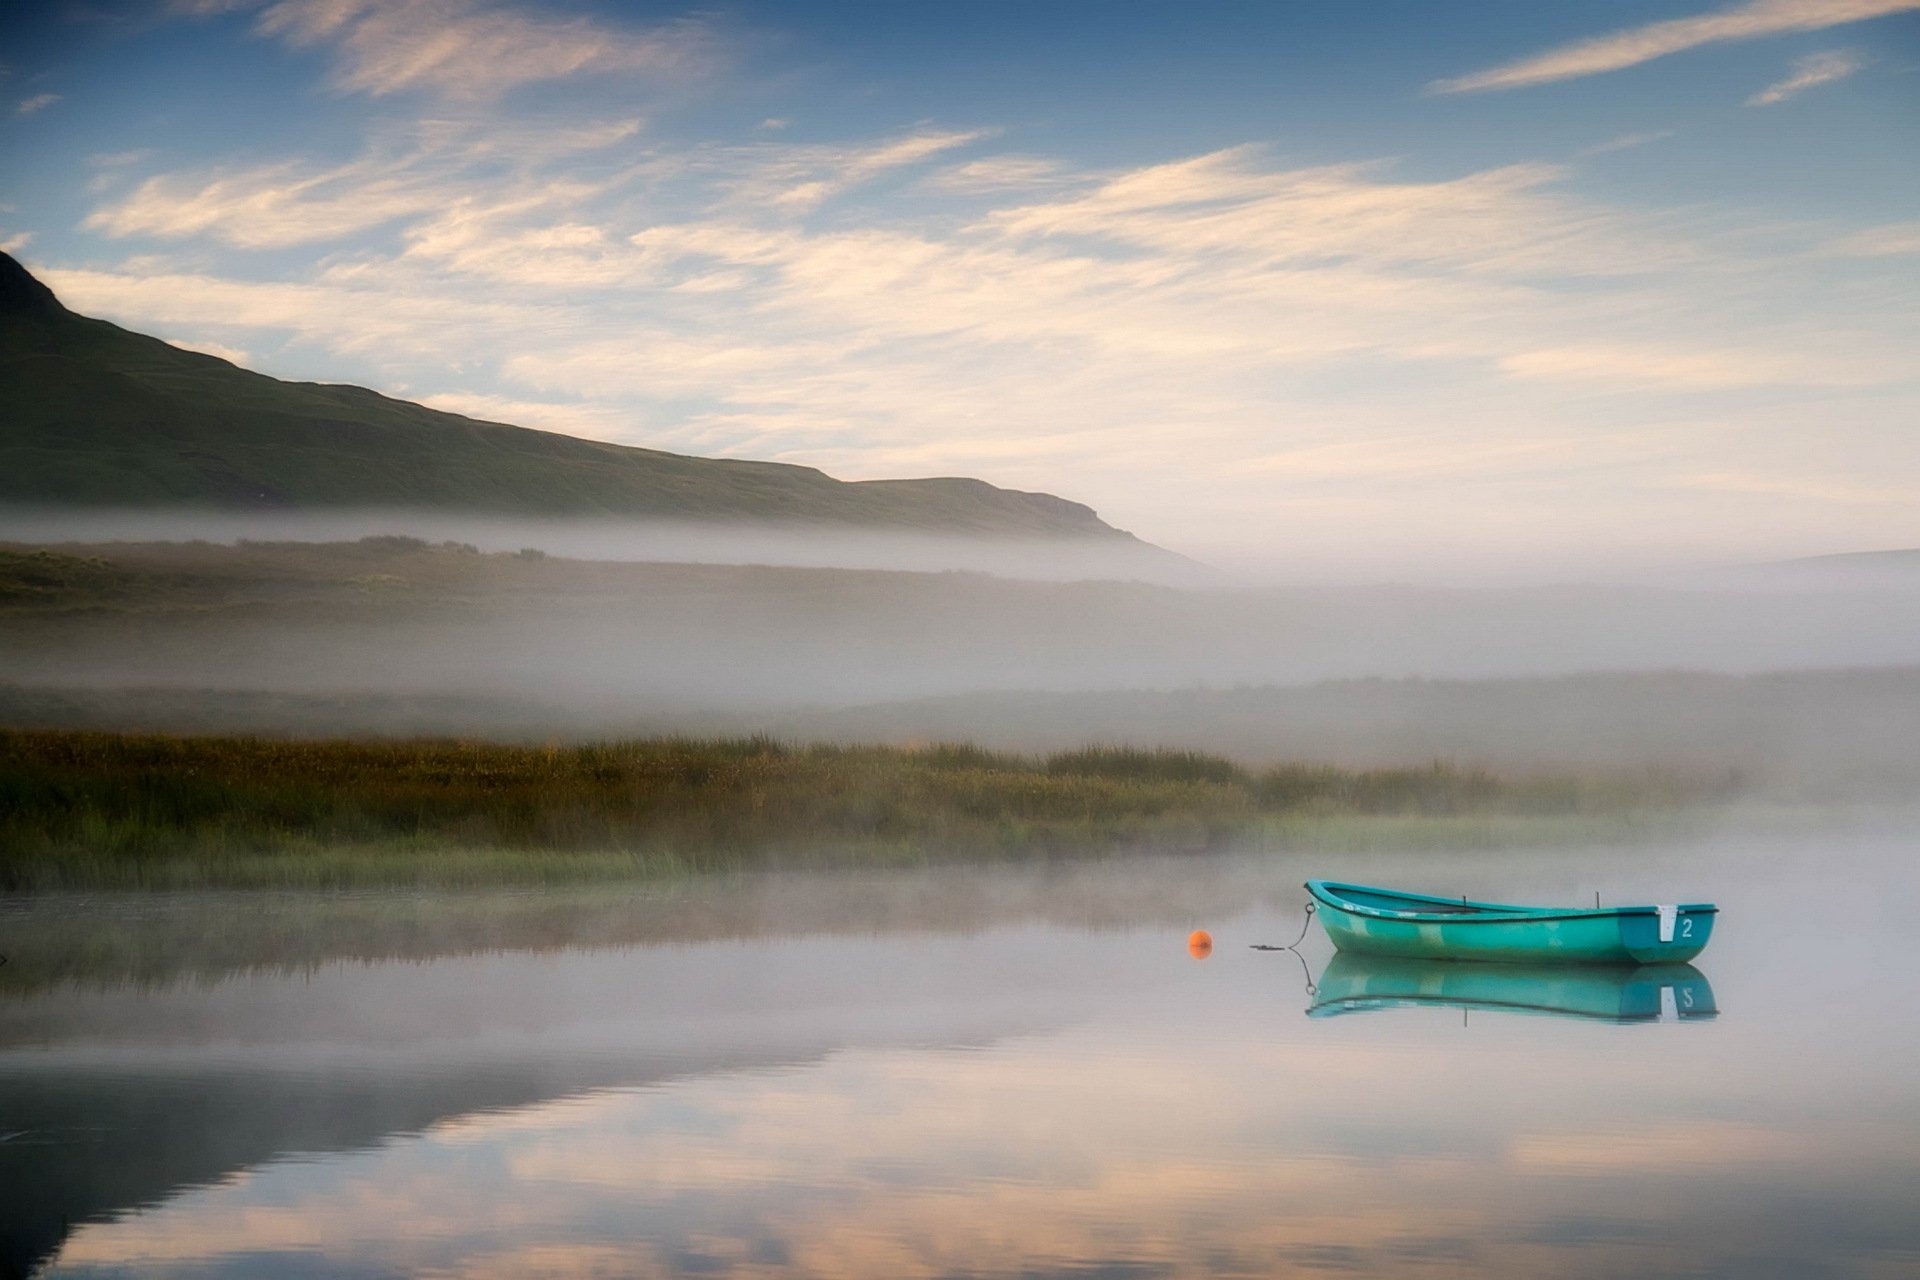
(1364, 287)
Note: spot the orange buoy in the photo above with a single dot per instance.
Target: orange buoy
(1199, 944)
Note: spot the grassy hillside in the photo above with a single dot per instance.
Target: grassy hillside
(95, 415)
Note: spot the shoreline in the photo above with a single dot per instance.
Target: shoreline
(88, 811)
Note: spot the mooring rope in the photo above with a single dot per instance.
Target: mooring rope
(1305, 924)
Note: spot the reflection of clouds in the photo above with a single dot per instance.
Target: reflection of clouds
(1665, 1146)
(554, 1262)
(1179, 1149)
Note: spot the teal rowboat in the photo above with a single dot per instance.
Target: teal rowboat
(1386, 922)
(1354, 983)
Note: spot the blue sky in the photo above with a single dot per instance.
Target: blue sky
(1378, 288)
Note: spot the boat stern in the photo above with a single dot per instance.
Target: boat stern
(1668, 935)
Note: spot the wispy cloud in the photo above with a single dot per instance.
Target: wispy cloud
(1626, 142)
(1077, 321)
(1686, 367)
(573, 418)
(469, 48)
(345, 319)
(435, 168)
(1814, 69)
(38, 102)
(997, 174)
(803, 177)
(269, 207)
(1194, 272)
(233, 355)
(1635, 45)
(1511, 220)
(1878, 242)
(1844, 490)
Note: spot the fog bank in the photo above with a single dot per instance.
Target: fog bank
(394, 635)
(817, 546)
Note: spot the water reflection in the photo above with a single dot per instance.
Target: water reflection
(1647, 993)
(1015, 1094)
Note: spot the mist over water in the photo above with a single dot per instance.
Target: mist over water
(991, 1070)
(981, 1070)
(995, 1070)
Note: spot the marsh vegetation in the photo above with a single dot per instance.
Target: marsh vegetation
(89, 810)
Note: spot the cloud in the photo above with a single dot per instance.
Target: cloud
(599, 422)
(393, 323)
(233, 355)
(38, 102)
(468, 48)
(118, 159)
(1508, 220)
(270, 207)
(1626, 141)
(804, 177)
(1878, 242)
(1814, 69)
(1214, 267)
(435, 168)
(1344, 327)
(1684, 368)
(1842, 491)
(996, 173)
(1635, 45)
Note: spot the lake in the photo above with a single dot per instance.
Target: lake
(1005, 1071)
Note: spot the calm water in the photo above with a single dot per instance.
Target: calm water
(990, 1073)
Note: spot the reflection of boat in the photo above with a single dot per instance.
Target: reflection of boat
(1648, 993)
(1390, 923)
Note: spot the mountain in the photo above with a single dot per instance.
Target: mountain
(97, 416)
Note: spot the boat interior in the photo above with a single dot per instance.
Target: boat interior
(1381, 900)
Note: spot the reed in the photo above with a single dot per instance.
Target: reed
(99, 810)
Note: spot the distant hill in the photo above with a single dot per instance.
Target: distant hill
(97, 416)
(1893, 569)
(1904, 559)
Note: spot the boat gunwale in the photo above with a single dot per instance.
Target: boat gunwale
(1328, 892)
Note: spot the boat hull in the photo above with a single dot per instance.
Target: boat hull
(1437, 929)
(1355, 983)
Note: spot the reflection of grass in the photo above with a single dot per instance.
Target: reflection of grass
(142, 939)
(87, 810)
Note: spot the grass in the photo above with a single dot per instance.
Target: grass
(82, 810)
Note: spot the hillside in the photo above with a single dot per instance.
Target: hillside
(98, 416)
